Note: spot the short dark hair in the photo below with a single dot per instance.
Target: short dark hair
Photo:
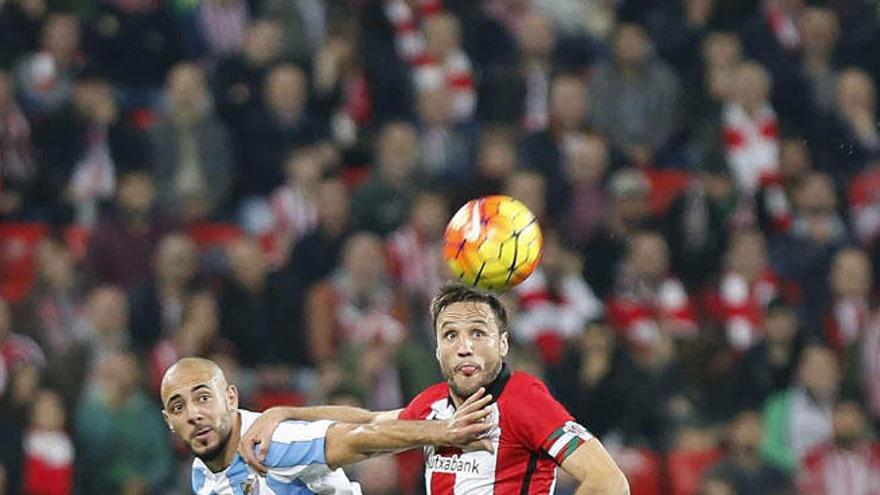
(455, 292)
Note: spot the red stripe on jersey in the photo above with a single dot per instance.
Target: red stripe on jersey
(442, 483)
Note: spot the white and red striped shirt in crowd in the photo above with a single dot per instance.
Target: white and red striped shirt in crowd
(548, 318)
(293, 215)
(751, 145)
(640, 313)
(871, 368)
(739, 307)
(454, 73)
(414, 263)
(533, 435)
(846, 323)
(829, 470)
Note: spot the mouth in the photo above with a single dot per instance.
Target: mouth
(201, 433)
(467, 369)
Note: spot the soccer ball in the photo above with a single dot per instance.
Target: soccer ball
(493, 243)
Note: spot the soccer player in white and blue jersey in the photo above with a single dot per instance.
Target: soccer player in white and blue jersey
(201, 408)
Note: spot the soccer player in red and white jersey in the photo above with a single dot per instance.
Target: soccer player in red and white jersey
(533, 433)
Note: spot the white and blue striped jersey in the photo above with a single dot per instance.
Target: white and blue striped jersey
(295, 461)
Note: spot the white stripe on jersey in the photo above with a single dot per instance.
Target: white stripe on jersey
(474, 471)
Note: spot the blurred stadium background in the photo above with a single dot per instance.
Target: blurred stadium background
(222, 178)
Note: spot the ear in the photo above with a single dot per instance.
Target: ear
(437, 353)
(232, 397)
(504, 344)
(165, 417)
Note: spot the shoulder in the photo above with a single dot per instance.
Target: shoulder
(199, 475)
(421, 405)
(522, 383)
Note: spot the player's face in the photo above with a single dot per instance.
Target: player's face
(199, 410)
(470, 347)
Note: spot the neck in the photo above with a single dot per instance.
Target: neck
(225, 457)
(494, 387)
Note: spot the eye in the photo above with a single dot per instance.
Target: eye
(478, 333)
(176, 408)
(204, 398)
(449, 335)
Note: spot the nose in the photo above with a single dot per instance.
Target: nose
(465, 347)
(193, 413)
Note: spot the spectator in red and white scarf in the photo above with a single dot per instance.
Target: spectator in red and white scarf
(415, 250)
(751, 129)
(48, 449)
(648, 300)
(847, 318)
(747, 286)
(445, 64)
(17, 167)
(849, 464)
(774, 201)
(555, 303)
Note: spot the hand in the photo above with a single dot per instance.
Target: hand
(260, 433)
(467, 427)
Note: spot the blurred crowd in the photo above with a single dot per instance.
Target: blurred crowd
(266, 183)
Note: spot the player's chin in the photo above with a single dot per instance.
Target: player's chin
(465, 386)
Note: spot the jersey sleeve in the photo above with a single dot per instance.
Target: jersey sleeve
(420, 406)
(296, 448)
(543, 424)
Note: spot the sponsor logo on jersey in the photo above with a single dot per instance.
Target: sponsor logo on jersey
(454, 464)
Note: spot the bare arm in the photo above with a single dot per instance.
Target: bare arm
(260, 432)
(348, 443)
(596, 472)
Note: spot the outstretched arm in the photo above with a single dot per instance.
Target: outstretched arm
(255, 441)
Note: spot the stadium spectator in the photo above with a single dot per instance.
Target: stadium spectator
(106, 329)
(774, 200)
(381, 204)
(648, 300)
(197, 336)
(697, 221)
(83, 149)
(45, 78)
(542, 151)
(414, 254)
(193, 155)
(629, 211)
(598, 382)
(849, 463)
(848, 313)
(554, 303)
(135, 42)
(18, 166)
(536, 39)
(123, 444)
(635, 98)
(48, 449)
(122, 244)
(157, 303)
(849, 138)
(293, 205)
(530, 188)
(750, 129)
(496, 159)
(238, 79)
(820, 28)
(218, 28)
(447, 148)
(743, 466)
(20, 22)
(586, 160)
(356, 323)
(800, 418)
(446, 65)
(253, 305)
(270, 131)
(769, 366)
(746, 287)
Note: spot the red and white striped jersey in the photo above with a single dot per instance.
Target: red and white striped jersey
(830, 470)
(533, 435)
